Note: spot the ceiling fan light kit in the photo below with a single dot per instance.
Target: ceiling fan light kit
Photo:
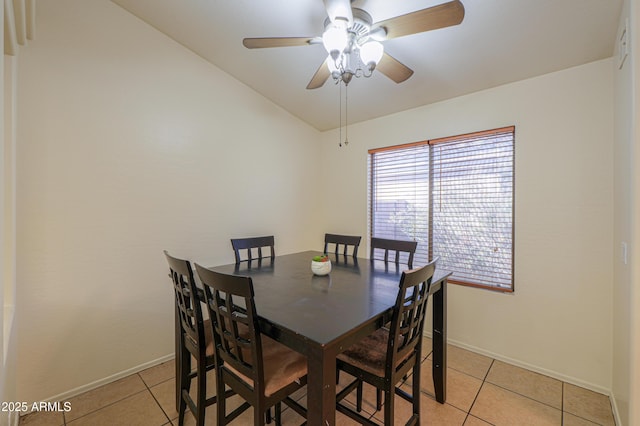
(353, 41)
(352, 51)
(335, 38)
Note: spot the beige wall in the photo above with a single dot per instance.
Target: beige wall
(128, 145)
(559, 319)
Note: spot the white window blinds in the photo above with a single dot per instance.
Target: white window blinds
(454, 196)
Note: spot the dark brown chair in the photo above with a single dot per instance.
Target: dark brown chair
(262, 371)
(345, 241)
(251, 245)
(398, 246)
(193, 338)
(386, 245)
(383, 358)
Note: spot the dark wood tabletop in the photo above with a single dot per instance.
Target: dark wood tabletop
(320, 316)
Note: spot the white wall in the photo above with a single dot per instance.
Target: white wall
(128, 145)
(622, 226)
(634, 356)
(3, 383)
(559, 319)
(115, 118)
(7, 225)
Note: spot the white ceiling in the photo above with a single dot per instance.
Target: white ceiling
(499, 41)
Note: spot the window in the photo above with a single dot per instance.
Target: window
(454, 196)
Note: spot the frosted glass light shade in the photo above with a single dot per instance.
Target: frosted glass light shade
(335, 39)
(371, 52)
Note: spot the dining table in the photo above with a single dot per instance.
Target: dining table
(321, 316)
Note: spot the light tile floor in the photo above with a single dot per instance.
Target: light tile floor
(480, 391)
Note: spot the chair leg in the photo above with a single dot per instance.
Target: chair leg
(416, 392)
(278, 414)
(181, 410)
(378, 399)
(179, 376)
(184, 382)
(359, 396)
(268, 416)
(259, 414)
(388, 406)
(179, 359)
(202, 391)
(221, 402)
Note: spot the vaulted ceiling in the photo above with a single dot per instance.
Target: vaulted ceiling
(498, 42)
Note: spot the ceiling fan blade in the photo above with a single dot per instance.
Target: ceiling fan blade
(432, 18)
(394, 69)
(321, 75)
(259, 43)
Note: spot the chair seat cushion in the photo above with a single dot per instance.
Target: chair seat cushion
(208, 336)
(369, 354)
(282, 366)
(208, 339)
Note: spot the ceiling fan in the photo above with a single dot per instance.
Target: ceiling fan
(353, 41)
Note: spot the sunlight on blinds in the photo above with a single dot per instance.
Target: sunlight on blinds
(454, 196)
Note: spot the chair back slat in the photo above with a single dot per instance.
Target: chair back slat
(186, 299)
(407, 323)
(344, 241)
(397, 246)
(235, 322)
(249, 245)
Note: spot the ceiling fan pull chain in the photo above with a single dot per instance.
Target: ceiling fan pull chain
(340, 114)
(346, 114)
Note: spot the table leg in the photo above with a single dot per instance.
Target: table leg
(439, 339)
(321, 388)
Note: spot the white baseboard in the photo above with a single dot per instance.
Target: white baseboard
(614, 408)
(93, 385)
(544, 371)
(530, 367)
(12, 419)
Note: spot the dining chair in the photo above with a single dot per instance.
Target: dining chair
(345, 241)
(398, 246)
(404, 250)
(262, 371)
(193, 338)
(384, 357)
(253, 244)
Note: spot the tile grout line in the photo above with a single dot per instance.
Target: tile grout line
(562, 405)
(371, 416)
(484, 380)
(529, 397)
(561, 409)
(103, 407)
(574, 414)
(154, 398)
(526, 396)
